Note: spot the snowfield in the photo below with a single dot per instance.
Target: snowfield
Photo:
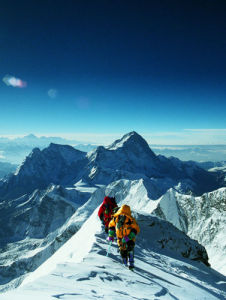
(80, 270)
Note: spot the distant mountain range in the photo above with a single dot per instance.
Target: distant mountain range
(32, 139)
(56, 189)
(127, 158)
(15, 150)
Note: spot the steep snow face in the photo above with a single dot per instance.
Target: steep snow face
(81, 270)
(202, 218)
(36, 227)
(136, 193)
(134, 144)
(169, 209)
(50, 158)
(56, 164)
(207, 222)
(39, 214)
(131, 158)
(131, 154)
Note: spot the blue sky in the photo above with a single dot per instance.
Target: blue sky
(98, 69)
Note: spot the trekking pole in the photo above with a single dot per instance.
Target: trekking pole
(109, 248)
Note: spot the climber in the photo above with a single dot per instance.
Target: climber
(126, 228)
(106, 210)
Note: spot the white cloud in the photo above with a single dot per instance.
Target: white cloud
(207, 130)
(1, 155)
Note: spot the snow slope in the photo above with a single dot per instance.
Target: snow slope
(36, 227)
(81, 270)
(202, 218)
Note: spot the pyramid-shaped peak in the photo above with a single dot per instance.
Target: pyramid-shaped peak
(30, 136)
(130, 139)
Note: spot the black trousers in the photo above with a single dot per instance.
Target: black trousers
(127, 249)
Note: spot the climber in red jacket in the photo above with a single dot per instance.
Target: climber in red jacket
(106, 210)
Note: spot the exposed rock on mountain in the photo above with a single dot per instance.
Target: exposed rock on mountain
(36, 227)
(127, 158)
(202, 218)
(57, 164)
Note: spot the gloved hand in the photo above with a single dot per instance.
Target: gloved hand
(129, 237)
(125, 239)
(110, 239)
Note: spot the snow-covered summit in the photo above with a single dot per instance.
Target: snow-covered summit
(60, 152)
(52, 159)
(132, 141)
(131, 157)
(56, 164)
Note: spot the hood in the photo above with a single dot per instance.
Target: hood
(107, 200)
(124, 210)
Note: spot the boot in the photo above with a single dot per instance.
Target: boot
(131, 260)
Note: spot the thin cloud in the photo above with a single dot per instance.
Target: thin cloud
(188, 137)
(1, 155)
(208, 130)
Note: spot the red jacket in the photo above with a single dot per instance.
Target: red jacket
(105, 210)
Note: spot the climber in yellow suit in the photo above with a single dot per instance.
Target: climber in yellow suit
(126, 228)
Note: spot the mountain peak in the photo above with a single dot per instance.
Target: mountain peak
(131, 140)
(30, 136)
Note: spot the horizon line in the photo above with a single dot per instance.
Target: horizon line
(197, 137)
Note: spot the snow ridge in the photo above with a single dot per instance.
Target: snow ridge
(81, 270)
